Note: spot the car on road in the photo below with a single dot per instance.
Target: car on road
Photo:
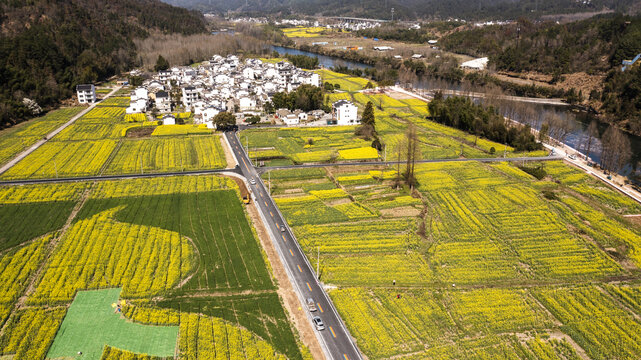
(311, 305)
(282, 228)
(252, 181)
(318, 322)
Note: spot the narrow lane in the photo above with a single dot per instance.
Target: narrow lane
(335, 340)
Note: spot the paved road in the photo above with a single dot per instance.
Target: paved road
(40, 142)
(388, 163)
(115, 177)
(335, 340)
(553, 101)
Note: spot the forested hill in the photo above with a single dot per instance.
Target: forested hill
(49, 46)
(409, 9)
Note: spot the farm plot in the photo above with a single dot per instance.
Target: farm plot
(168, 154)
(307, 145)
(166, 238)
(18, 138)
(344, 82)
(595, 321)
(57, 158)
(467, 227)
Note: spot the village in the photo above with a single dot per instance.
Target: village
(227, 84)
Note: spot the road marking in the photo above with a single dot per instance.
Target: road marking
(345, 356)
(283, 237)
(266, 205)
(309, 287)
(291, 252)
(320, 307)
(332, 331)
(299, 269)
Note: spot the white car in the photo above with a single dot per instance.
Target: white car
(252, 181)
(318, 322)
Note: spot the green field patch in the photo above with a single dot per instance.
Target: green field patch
(22, 222)
(91, 323)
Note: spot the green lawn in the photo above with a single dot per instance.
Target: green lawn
(91, 323)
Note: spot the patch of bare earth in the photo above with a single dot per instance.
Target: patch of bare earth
(285, 290)
(398, 95)
(400, 212)
(636, 219)
(140, 132)
(338, 201)
(231, 162)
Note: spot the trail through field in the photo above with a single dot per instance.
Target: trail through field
(33, 148)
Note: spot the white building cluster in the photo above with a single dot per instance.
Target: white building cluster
(221, 84)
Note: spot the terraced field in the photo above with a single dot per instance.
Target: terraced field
(480, 261)
(182, 250)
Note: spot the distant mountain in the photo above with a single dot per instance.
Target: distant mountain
(408, 9)
(49, 46)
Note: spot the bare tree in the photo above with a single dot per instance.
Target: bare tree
(616, 150)
(413, 153)
(591, 133)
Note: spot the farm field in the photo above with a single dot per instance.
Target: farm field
(327, 144)
(18, 138)
(502, 265)
(179, 251)
(95, 144)
(306, 32)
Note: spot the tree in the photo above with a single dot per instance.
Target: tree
(368, 115)
(543, 132)
(413, 152)
(592, 132)
(161, 64)
(224, 120)
(367, 129)
(616, 151)
(253, 120)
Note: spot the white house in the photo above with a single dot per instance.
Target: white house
(163, 102)
(345, 113)
(246, 103)
(190, 96)
(169, 120)
(86, 93)
(209, 114)
(291, 119)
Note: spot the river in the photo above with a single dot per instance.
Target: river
(578, 121)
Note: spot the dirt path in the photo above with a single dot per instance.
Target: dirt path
(285, 290)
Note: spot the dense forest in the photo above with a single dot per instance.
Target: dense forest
(596, 46)
(407, 9)
(49, 46)
(593, 45)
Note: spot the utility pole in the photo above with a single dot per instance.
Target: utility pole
(392, 14)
